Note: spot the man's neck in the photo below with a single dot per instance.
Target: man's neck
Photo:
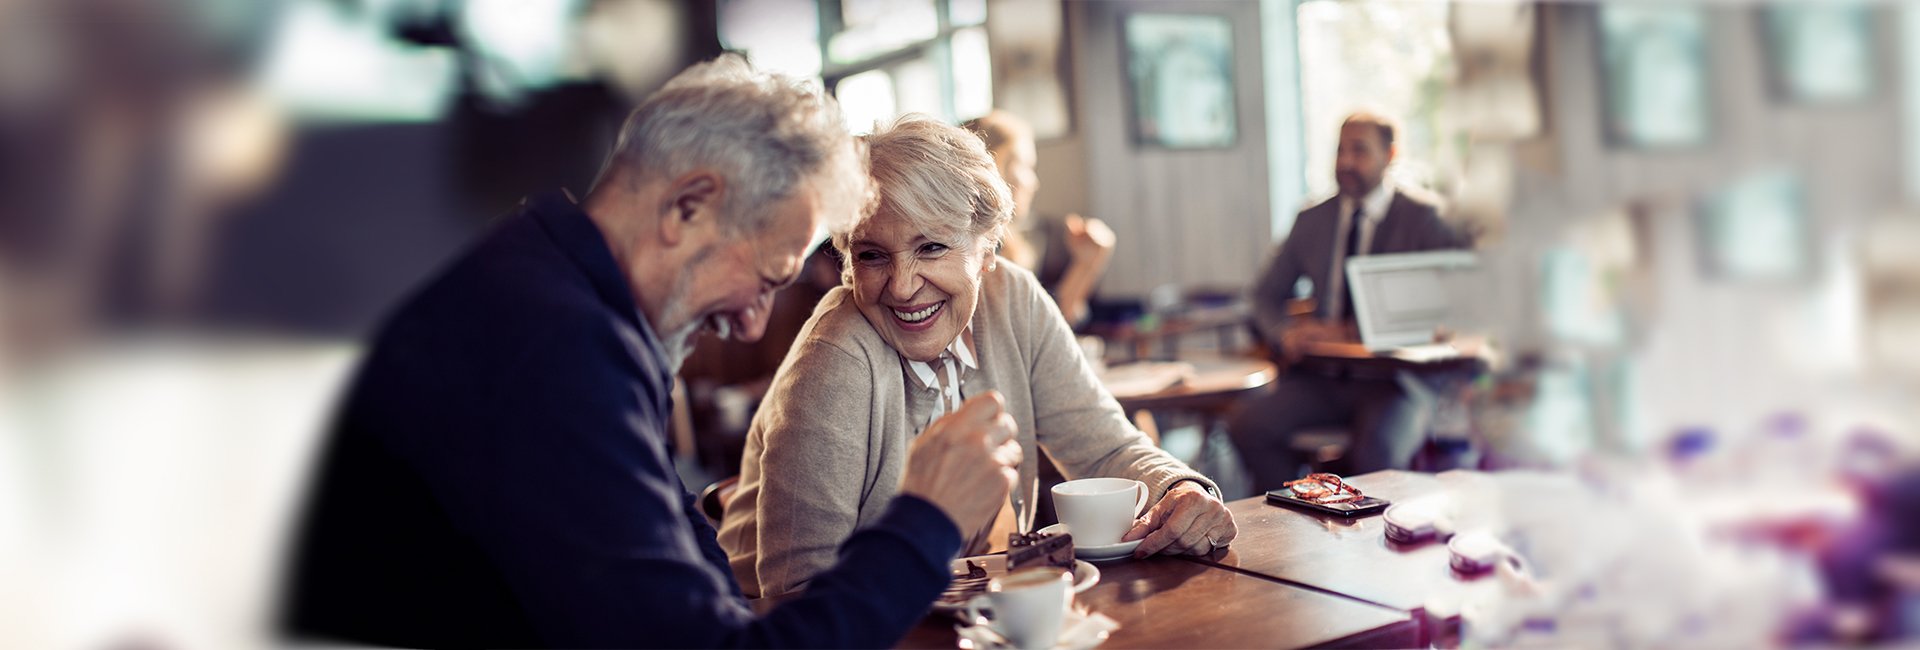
(1373, 202)
(621, 218)
(616, 218)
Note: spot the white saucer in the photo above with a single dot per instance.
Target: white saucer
(1084, 575)
(1078, 631)
(1096, 553)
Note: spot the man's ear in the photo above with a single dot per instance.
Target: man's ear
(691, 201)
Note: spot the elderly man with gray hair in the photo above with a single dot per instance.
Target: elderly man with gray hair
(499, 474)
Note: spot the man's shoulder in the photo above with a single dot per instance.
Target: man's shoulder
(1324, 209)
(505, 328)
(1417, 212)
(1417, 198)
(514, 271)
(1319, 219)
(511, 291)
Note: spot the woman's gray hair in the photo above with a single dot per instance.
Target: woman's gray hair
(940, 178)
(764, 133)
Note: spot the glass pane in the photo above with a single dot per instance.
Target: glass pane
(331, 65)
(866, 98)
(1822, 52)
(961, 13)
(878, 26)
(521, 45)
(1181, 71)
(916, 88)
(1653, 58)
(972, 74)
(1756, 229)
(1344, 66)
(1026, 44)
(778, 35)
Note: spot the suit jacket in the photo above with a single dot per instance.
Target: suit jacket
(500, 477)
(1412, 224)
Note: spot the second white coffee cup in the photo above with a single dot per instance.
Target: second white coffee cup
(1028, 606)
(1098, 511)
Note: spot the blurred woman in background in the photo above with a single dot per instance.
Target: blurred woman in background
(1067, 254)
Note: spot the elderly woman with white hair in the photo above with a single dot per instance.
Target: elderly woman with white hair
(928, 316)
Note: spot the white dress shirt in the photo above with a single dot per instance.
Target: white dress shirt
(1373, 208)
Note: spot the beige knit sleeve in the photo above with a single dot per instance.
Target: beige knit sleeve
(814, 426)
(1076, 420)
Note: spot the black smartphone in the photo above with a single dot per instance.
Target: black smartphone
(1359, 508)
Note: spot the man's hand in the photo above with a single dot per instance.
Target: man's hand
(1186, 520)
(1303, 331)
(966, 462)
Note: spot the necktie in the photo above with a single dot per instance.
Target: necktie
(1353, 249)
(1353, 233)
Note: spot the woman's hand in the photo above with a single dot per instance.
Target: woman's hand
(1090, 241)
(1090, 244)
(1187, 520)
(966, 462)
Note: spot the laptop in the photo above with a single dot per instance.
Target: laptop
(1401, 298)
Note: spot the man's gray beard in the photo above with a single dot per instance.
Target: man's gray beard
(679, 343)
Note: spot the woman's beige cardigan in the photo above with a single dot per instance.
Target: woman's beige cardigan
(827, 449)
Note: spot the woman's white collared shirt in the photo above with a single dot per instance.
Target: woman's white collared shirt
(945, 374)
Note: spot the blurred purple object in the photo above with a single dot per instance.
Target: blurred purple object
(1789, 425)
(1690, 444)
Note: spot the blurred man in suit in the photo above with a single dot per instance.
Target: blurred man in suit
(499, 475)
(1370, 216)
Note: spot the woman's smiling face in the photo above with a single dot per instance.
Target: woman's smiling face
(918, 290)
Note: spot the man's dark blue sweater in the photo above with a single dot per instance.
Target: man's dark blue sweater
(499, 475)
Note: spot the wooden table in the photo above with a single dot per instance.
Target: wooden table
(1216, 384)
(1355, 359)
(1291, 579)
(1223, 322)
(1178, 602)
(1169, 602)
(1352, 558)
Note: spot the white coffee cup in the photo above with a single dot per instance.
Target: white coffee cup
(1028, 606)
(1098, 511)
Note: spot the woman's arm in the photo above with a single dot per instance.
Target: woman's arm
(1076, 420)
(1091, 244)
(813, 433)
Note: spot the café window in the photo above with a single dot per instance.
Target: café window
(879, 57)
(1344, 67)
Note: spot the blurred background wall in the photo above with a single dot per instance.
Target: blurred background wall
(1192, 216)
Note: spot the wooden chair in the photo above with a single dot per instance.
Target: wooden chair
(1322, 446)
(714, 499)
